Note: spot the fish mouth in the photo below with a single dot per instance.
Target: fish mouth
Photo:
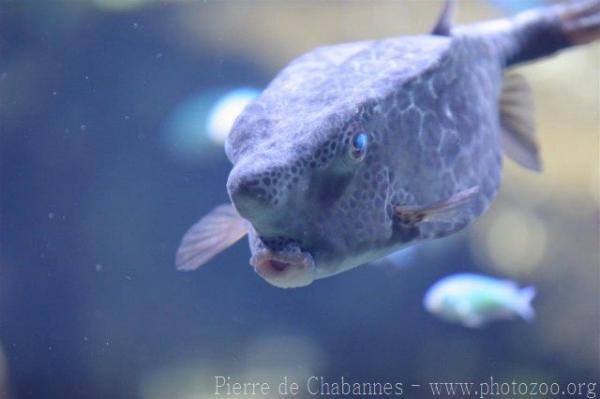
(285, 270)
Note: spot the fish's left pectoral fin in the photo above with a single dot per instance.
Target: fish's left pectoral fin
(467, 315)
(473, 322)
(212, 234)
(443, 26)
(517, 123)
(442, 211)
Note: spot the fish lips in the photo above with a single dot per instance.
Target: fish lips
(284, 270)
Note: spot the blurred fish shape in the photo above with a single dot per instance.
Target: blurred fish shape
(357, 150)
(474, 300)
(196, 128)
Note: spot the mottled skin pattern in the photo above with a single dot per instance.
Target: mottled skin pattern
(429, 105)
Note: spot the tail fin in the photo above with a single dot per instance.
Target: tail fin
(523, 306)
(542, 31)
(581, 21)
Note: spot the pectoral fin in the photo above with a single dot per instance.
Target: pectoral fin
(215, 232)
(442, 211)
(517, 122)
(472, 321)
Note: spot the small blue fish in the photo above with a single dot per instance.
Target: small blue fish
(474, 300)
(357, 150)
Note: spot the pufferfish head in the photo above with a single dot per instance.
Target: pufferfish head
(313, 189)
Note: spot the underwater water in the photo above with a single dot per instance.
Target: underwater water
(112, 120)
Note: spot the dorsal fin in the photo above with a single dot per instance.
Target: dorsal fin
(443, 26)
(517, 123)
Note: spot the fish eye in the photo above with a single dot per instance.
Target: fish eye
(358, 144)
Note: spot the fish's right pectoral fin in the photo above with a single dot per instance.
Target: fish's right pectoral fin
(517, 123)
(212, 234)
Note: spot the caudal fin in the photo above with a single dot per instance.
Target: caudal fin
(542, 31)
(581, 21)
(523, 306)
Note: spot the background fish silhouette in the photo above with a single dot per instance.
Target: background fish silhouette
(474, 300)
(357, 150)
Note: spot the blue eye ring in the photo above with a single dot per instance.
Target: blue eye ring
(359, 142)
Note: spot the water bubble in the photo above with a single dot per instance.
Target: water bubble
(514, 242)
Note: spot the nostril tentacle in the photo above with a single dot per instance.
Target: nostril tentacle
(249, 195)
(249, 190)
(266, 195)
